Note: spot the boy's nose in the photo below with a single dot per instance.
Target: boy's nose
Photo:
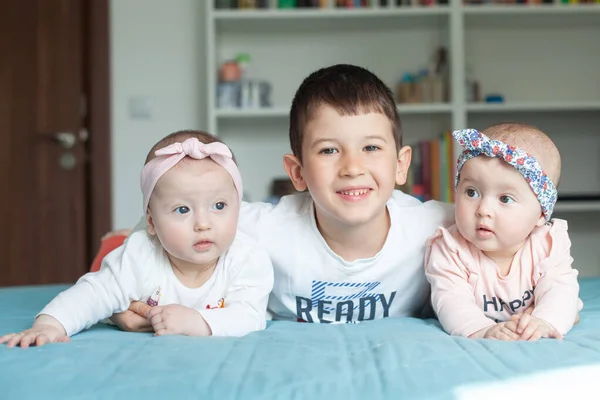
(351, 165)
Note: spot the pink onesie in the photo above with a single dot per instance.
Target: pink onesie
(468, 294)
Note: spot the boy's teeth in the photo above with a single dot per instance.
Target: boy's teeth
(355, 192)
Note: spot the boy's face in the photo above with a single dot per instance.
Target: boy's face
(194, 212)
(350, 166)
(496, 210)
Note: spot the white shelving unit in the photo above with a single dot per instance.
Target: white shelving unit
(543, 58)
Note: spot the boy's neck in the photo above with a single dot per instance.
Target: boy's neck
(357, 241)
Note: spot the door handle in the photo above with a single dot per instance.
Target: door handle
(66, 140)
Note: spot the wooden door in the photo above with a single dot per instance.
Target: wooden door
(45, 174)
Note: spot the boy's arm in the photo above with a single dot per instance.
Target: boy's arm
(556, 292)
(246, 299)
(452, 296)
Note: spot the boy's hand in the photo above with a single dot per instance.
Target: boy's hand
(176, 319)
(134, 319)
(45, 329)
(533, 328)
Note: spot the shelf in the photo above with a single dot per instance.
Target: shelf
(432, 108)
(568, 106)
(283, 112)
(555, 16)
(331, 13)
(252, 112)
(577, 206)
(532, 9)
(285, 20)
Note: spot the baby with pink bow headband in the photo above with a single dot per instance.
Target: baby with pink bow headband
(197, 277)
(503, 271)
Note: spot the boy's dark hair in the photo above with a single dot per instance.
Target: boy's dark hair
(349, 89)
(180, 136)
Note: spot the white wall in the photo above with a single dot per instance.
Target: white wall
(157, 55)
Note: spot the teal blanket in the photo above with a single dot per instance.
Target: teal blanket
(389, 358)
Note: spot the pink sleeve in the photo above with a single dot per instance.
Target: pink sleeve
(452, 296)
(557, 290)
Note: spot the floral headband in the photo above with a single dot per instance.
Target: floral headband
(476, 143)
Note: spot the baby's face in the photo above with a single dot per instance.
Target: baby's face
(496, 209)
(194, 212)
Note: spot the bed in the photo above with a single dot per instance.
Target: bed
(389, 358)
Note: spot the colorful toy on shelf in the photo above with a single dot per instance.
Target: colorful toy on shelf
(236, 89)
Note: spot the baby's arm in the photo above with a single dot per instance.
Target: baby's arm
(45, 329)
(94, 297)
(556, 292)
(246, 299)
(97, 295)
(452, 296)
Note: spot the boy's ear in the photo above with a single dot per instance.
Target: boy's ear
(150, 223)
(293, 167)
(404, 157)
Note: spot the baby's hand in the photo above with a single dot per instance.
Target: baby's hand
(45, 329)
(533, 328)
(134, 319)
(502, 331)
(176, 319)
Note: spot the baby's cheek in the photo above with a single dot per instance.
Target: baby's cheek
(230, 225)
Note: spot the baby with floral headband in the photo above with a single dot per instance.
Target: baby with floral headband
(503, 271)
(196, 275)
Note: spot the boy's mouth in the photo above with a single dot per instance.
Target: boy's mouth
(354, 194)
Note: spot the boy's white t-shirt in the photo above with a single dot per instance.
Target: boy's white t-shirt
(314, 284)
(233, 301)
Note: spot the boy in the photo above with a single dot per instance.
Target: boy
(351, 247)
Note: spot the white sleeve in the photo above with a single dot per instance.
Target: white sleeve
(246, 298)
(250, 216)
(98, 295)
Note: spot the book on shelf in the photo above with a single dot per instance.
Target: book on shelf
(287, 4)
(431, 174)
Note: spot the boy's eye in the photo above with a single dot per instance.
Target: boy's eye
(372, 148)
(472, 192)
(219, 206)
(328, 151)
(182, 210)
(506, 199)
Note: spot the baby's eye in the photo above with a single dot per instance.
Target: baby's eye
(328, 151)
(506, 199)
(472, 192)
(372, 147)
(219, 205)
(182, 210)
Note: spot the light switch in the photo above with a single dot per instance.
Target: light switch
(140, 107)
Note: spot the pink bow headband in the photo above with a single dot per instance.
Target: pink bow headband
(169, 156)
